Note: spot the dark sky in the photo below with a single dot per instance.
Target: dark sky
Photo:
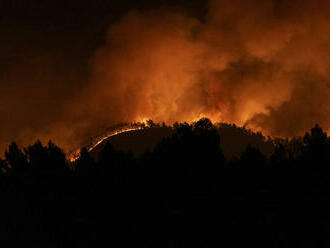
(45, 52)
(70, 69)
(73, 29)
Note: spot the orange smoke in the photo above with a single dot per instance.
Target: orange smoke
(242, 65)
(263, 64)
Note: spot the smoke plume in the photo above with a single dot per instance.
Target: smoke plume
(263, 64)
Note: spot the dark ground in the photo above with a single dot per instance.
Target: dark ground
(184, 193)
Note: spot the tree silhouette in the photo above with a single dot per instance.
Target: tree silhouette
(3, 166)
(85, 164)
(46, 159)
(253, 158)
(204, 123)
(182, 193)
(16, 158)
(316, 147)
(280, 157)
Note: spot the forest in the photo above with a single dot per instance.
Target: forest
(185, 192)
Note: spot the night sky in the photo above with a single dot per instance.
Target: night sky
(71, 69)
(47, 45)
(70, 29)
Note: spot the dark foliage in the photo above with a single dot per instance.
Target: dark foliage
(183, 193)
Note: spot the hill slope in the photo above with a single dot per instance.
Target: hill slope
(233, 140)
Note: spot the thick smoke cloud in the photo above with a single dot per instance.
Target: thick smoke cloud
(263, 64)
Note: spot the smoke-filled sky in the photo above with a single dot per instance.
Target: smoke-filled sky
(70, 69)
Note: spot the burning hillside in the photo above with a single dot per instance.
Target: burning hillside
(267, 69)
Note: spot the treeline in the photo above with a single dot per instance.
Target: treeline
(183, 193)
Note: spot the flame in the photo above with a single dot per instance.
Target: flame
(259, 64)
(75, 155)
(112, 134)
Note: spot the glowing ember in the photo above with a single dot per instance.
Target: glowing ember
(259, 64)
(76, 155)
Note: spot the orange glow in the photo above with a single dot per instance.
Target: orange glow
(76, 154)
(259, 64)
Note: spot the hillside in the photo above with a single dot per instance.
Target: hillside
(233, 140)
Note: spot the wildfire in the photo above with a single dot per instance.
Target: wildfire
(259, 64)
(113, 134)
(74, 156)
